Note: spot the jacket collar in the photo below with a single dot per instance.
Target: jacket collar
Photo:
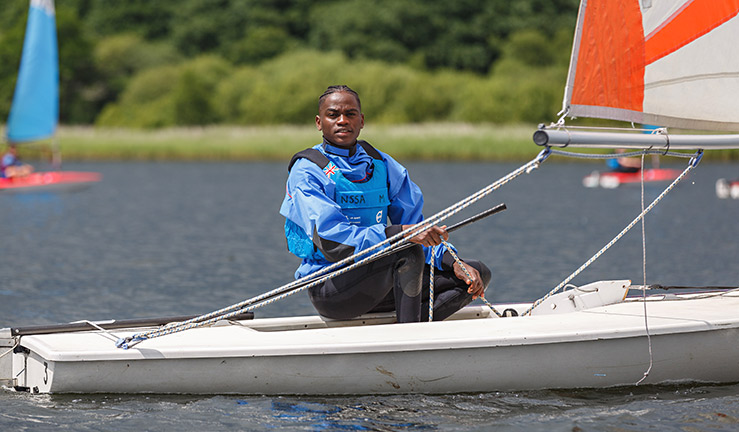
(328, 147)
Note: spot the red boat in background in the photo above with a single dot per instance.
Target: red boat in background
(612, 179)
(34, 113)
(52, 181)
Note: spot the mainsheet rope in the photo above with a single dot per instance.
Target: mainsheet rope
(335, 269)
(466, 272)
(644, 281)
(695, 159)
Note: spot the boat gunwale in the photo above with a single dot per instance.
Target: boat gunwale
(445, 335)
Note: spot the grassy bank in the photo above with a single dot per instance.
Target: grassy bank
(220, 143)
(228, 143)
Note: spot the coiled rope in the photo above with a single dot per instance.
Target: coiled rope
(695, 159)
(335, 269)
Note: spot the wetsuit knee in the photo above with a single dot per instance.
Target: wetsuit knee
(409, 270)
(485, 274)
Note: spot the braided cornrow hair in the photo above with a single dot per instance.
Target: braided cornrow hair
(335, 89)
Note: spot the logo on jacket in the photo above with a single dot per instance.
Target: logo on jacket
(352, 199)
(378, 218)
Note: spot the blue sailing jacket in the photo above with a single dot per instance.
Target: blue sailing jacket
(313, 211)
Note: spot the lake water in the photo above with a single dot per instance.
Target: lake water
(160, 239)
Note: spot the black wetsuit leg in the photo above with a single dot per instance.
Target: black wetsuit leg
(450, 292)
(398, 277)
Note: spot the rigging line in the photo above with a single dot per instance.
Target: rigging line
(431, 285)
(107, 333)
(620, 155)
(688, 296)
(672, 287)
(467, 273)
(330, 271)
(17, 342)
(611, 128)
(644, 278)
(692, 164)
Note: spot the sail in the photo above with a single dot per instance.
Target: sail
(35, 110)
(664, 62)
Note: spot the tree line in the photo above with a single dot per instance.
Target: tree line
(142, 63)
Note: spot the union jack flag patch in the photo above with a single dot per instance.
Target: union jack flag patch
(330, 169)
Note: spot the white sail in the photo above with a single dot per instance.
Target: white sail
(664, 62)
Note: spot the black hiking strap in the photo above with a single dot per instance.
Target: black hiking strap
(370, 150)
(321, 160)
(312, 155)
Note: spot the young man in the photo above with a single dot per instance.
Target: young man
(339, 196)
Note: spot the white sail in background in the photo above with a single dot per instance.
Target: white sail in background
(663, 62)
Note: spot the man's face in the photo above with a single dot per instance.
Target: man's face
(340, 119)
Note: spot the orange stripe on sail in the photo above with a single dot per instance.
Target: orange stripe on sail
(610, 63)
(692, 21)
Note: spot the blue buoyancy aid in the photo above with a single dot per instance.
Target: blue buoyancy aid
(363, 203)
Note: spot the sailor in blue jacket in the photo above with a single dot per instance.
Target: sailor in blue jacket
(340, 198)
(11, 165)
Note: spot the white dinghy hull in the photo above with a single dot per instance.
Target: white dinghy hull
(693, 338)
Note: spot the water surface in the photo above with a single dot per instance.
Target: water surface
(156, 239)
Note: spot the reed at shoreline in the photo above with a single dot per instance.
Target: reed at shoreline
(427, 142)
(232, 143)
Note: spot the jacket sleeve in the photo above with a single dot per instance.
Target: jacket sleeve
(309, 204)
(406, 208)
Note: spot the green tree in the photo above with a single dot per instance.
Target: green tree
(259, 44)
(11, 43)
(208, 26)
(146, 18)
(169, 95)
(120, 57)
(79, 100)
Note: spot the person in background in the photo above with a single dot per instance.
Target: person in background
(343, 196)
(11, 165)
(624, 164)
(632, 164)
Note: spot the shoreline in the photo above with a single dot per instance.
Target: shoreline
(233, 143)
(423, 142)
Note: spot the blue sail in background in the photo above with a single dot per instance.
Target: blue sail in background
(35, 111)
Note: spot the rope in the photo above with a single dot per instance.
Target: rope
(620, 155)
(431, 285)
(692, 164)
(17, 342)
(107, 333)
(331, 271)
(644, 279)
(467, 273)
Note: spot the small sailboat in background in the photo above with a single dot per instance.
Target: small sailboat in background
(34, 114)
(625, 171)
(614, 179)
(727, 188)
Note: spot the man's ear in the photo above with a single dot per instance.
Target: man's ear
(318, 122)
